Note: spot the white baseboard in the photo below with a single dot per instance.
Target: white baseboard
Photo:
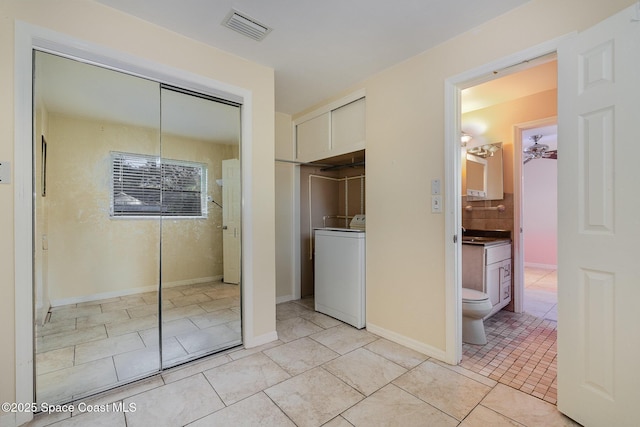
(8, 420)
(285, 298)
(41, 313)
(131, 291)
(541, 266)
(430, 351)
(250, 342)
(192, 281)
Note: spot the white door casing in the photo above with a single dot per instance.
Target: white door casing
(518, 203)
(453, 208)
(29, 37)
(598, 225)
(231, 204)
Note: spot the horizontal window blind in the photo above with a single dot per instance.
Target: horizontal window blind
(144, 185)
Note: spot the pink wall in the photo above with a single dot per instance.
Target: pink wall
(540, 222)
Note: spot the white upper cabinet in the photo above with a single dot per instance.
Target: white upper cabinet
(347, 127)
(335, 129)
(314, 138)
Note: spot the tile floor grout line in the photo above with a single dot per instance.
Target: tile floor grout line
(493, 353)
(528, 357)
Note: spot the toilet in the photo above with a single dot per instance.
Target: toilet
(475, 306)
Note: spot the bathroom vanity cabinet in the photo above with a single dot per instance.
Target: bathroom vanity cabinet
(486, 267)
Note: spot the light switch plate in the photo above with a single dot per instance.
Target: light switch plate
(435, 186)
(436, 204)
(5, 172)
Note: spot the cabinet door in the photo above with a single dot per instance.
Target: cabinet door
(348, 128)
(313, 138)
(493, 277)
(473, 267)
(505, 282)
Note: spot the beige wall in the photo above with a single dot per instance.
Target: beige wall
(96, 24)
(405, 150)
(500, 121)
(90, 254)
(285, 214)
(192, 249)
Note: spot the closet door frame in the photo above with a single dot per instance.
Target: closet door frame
(28, 38)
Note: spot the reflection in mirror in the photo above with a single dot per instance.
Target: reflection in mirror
(200, 295)
(476, 178)
(483, 171)
(131, 228)
(95, 277)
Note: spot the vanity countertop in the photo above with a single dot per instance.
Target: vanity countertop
(484, 241)
(486, 237)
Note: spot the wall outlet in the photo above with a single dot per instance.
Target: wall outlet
(436, 204)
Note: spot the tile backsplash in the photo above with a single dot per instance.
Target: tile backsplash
(482, 219)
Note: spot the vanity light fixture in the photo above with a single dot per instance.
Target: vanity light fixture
(464, 139)
(486, 150)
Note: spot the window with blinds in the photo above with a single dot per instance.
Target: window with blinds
(145, 185)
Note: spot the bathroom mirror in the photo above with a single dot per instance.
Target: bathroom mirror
(484, 176)
(476, 177)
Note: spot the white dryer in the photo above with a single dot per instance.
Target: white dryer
(340, 274)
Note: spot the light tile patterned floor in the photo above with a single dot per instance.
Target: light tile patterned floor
(326, 373)
(521, 350)
(88, 347)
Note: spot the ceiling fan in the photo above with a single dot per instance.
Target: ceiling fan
(538, 151)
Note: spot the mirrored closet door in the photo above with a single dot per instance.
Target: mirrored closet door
(128, 228)
(201, 307)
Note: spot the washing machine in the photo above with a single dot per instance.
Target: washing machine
(339, 272)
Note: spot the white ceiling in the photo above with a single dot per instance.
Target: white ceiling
(307, 71)
(319, 48)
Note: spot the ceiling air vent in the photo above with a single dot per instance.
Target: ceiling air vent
(246, 25)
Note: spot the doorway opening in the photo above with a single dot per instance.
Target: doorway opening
(491, 115)
(539, 219)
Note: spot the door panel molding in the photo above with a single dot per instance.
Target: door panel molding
(598, 110)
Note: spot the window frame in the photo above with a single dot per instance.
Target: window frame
(160, 211)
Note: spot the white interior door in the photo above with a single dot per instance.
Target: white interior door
(599, 111)
(231, 203)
